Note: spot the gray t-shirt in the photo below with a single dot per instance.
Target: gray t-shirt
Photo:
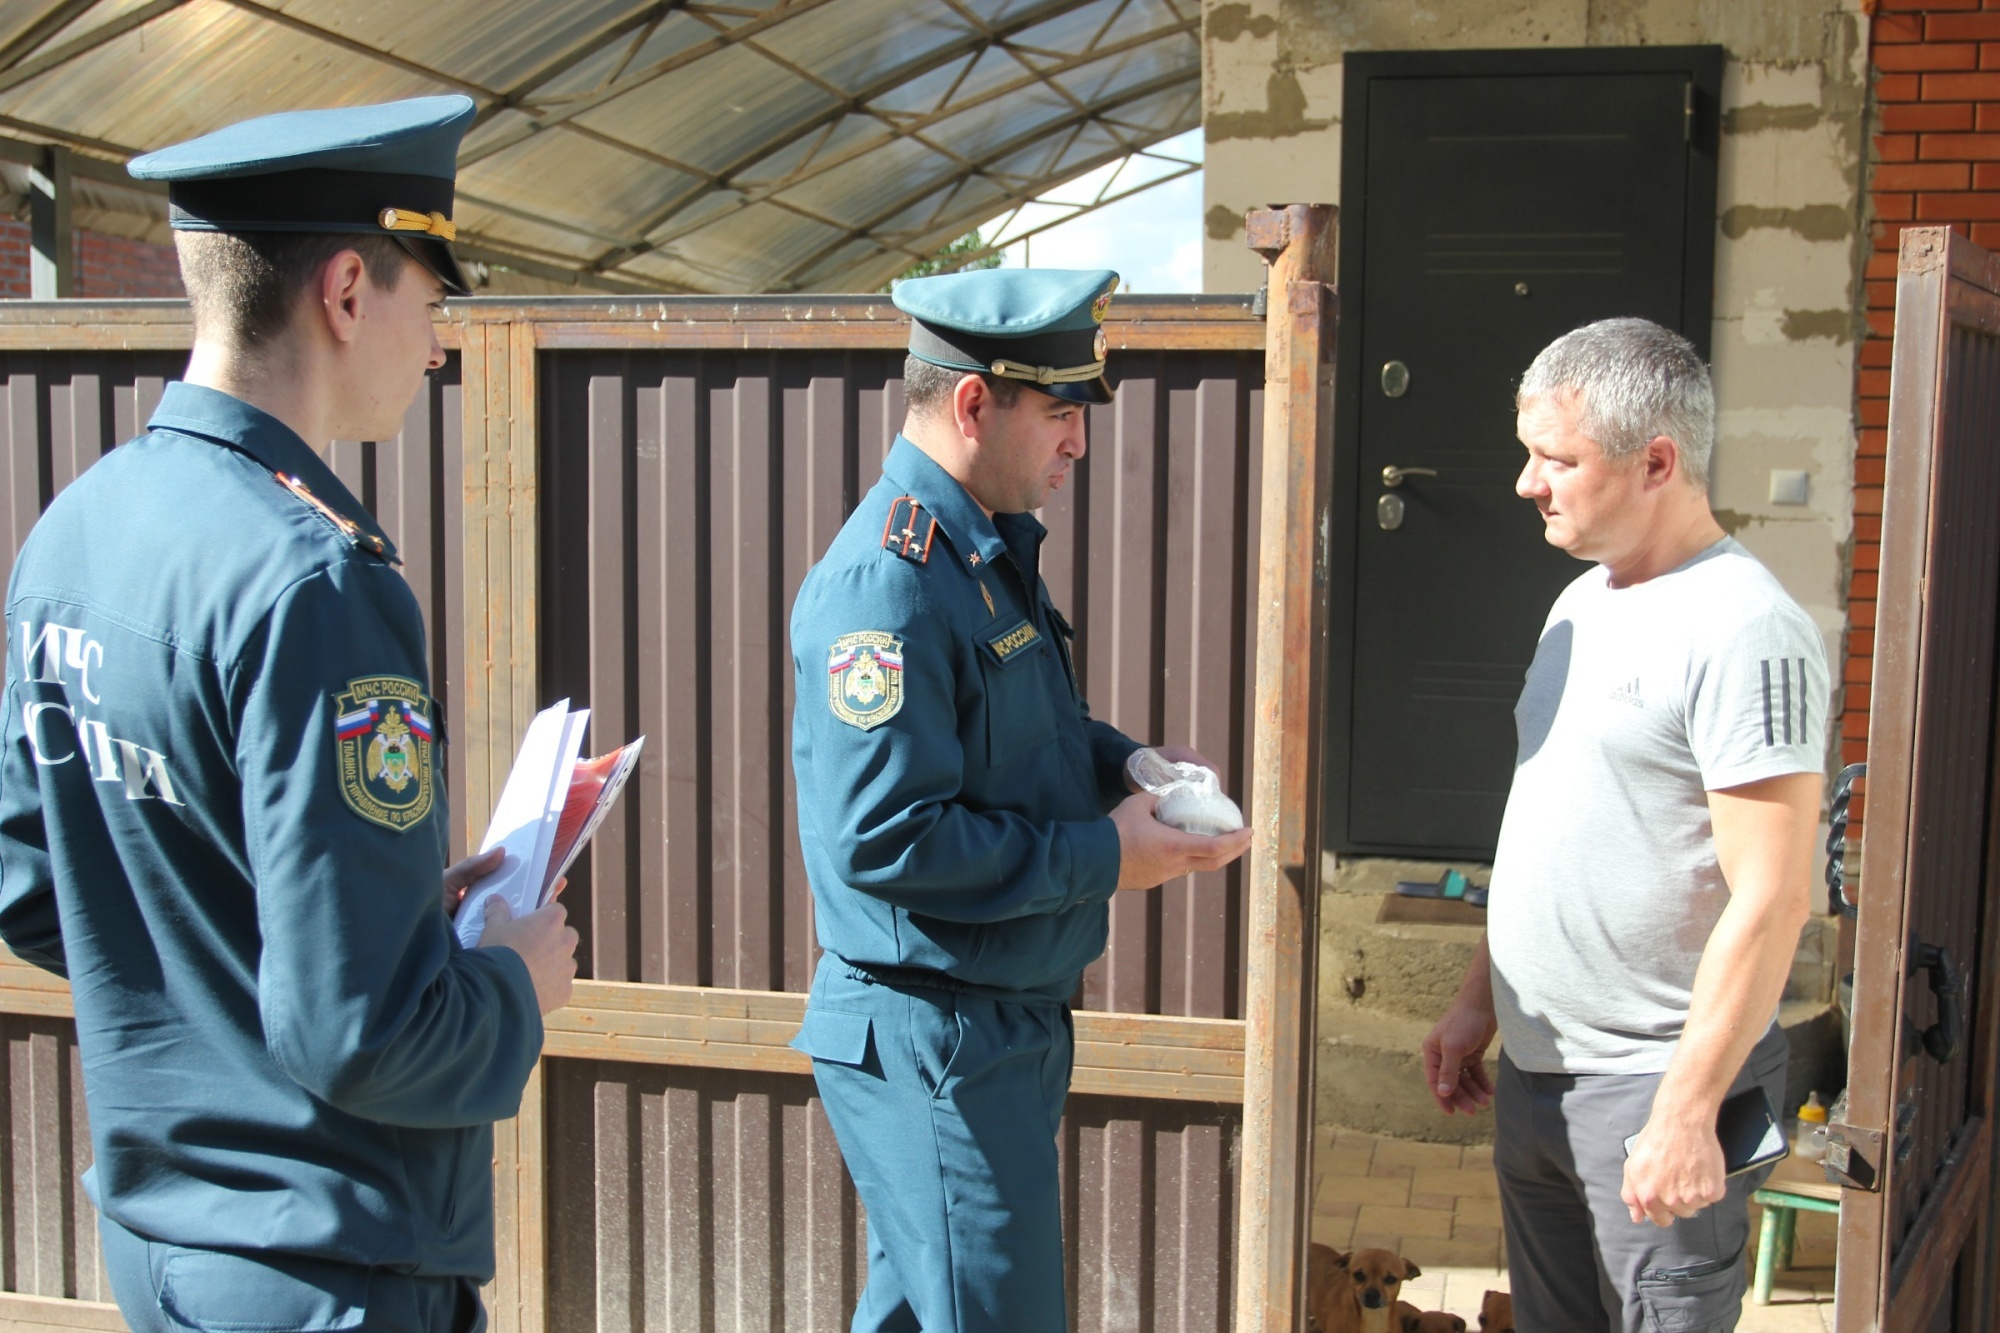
(1640, 701)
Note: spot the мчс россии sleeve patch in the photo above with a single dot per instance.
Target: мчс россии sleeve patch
(864, 678)
(383, 737)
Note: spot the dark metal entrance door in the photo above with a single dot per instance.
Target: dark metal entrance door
(1917, 1146)
(1493, 201)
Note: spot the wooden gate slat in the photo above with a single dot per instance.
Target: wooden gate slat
(1921, 1276)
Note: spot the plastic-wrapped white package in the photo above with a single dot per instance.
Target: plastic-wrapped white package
(1198, 806)
(1190, 796)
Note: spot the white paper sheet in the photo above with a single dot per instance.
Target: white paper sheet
(524, 819)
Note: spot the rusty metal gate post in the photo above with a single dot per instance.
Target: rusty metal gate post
(1298, 243)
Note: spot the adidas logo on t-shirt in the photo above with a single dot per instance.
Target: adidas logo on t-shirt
(1628, 693)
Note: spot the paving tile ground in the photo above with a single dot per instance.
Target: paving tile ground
(1438, 1206)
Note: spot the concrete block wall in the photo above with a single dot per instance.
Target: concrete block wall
(1790, 244)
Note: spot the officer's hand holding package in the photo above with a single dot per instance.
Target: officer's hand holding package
(1147, 854)
(546, 943)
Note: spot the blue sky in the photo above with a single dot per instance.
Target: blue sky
(1153, 239)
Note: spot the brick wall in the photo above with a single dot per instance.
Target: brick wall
(14, 279)
(106, 266)
(109, 266)
(1935, 160)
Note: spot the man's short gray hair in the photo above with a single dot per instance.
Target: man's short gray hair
(1634, 380)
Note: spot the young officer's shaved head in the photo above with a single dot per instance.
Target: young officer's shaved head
(244, 286)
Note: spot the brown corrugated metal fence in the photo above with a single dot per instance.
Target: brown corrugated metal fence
(63, 411)
(685, 493)
(684, 496)
(616, 502)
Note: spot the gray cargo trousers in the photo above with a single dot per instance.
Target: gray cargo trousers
(1577, 1262)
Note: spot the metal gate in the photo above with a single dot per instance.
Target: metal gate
(1916, 1224)
(615, 501)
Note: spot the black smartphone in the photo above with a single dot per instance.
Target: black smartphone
(1748, 1130)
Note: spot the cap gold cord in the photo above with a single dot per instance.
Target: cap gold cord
(1015, 370)
(434, 224)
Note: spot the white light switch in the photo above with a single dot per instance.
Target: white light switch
(1788, 487)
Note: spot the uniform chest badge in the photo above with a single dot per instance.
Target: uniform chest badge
(864, 678)
(384, 741)
(1010, 643)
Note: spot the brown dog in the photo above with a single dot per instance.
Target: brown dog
(1378, 1275)
(1496, 1313)
(1355, 1293)
(1330, 1303)
(1427, 1321)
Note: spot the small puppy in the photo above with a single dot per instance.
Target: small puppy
(1427, 1321)
(1354, 1293)
(1496, 1313)
(1378, 1275)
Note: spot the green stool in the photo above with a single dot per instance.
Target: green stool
(1794, 1185)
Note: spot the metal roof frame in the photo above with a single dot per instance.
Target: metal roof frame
(599, 158)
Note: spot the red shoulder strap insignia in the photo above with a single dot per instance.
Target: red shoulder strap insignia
(909, 532)
(347, 527)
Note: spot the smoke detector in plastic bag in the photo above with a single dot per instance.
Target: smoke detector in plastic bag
(1190, 796)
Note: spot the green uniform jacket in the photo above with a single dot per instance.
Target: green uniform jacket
(953, 787)
(221, 816)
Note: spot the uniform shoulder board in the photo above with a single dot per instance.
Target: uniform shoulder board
(909, 532)
(347, 527)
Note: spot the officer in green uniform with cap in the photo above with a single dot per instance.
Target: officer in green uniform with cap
(964, 819)
(221, 804)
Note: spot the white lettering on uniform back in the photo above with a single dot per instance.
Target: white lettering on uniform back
(47, 651)
(145, 768)
(59, 646)
(78, 652)
(31, 716)
(48, 644)
(97, 753)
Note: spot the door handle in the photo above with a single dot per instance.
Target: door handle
(1941, 1039)
(1393, 476)
(1838, 899)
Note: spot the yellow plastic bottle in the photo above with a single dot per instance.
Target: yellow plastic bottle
(1809, 1141)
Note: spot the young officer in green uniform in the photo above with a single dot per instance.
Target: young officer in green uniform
(964, 819)
(221, 810)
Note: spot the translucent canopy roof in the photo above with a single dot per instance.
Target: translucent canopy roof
(735, 146)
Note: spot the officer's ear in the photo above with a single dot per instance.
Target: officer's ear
(341, 282)
(973, 406)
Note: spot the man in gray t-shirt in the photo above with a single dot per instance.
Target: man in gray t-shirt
(1655, 861)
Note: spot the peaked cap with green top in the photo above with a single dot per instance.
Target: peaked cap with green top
(1041, 326)
(387, 169)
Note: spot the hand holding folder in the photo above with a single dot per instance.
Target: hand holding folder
(551, 805)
